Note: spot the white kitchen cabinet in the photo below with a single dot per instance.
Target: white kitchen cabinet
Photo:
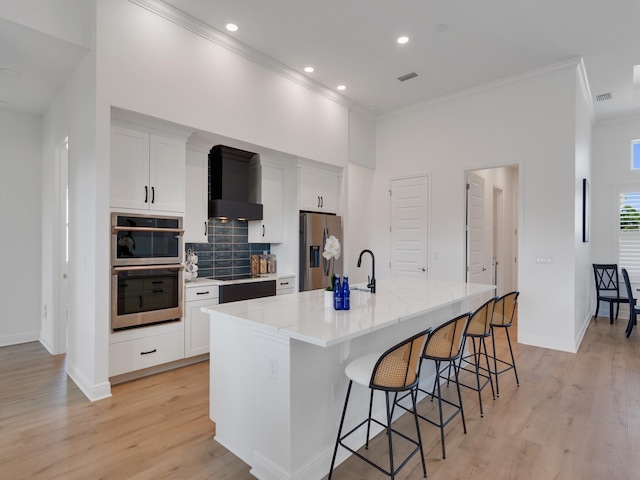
(139, 348)
(285, 285)
(267, 189)
(147, 171)
(196, 323)
(196, 197)
(318, 190)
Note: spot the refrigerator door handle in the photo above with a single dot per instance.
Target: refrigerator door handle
(325, 262)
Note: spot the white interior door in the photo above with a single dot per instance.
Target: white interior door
(497, 277)
(477, 271)
(409, 227)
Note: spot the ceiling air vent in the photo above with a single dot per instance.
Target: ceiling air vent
(603, 97)
(406, 77)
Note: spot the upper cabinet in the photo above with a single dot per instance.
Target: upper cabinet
(318, 189)
(196, 214)
(147, 171)
(267, 189)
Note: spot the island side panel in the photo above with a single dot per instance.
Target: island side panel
(232, 384)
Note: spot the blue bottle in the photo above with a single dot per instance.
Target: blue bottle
(337, 294)
(346, 294)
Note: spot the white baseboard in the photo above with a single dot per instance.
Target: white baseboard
(15, 339)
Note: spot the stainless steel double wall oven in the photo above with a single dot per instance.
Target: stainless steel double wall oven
(146, 265)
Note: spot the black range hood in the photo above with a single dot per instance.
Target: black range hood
(229, 184)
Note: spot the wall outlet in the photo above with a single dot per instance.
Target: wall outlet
(273, 368)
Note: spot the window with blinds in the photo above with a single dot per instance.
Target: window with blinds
(629, 234)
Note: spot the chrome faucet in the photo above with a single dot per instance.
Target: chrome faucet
(372, 279)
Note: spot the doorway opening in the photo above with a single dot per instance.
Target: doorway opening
(491, 227)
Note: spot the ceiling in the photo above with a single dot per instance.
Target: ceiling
(454, 45)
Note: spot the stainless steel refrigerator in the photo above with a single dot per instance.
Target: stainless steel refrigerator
(315, 270)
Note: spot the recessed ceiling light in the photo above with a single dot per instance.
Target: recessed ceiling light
(403, 40)
(232, 27)
(308, 69)
(341, 87)
(9, 72)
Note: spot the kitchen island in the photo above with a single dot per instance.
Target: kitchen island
(277, 382)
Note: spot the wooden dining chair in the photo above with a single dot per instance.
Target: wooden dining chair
(633, 309)
(608, 287)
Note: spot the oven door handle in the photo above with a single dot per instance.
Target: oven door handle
(119, 228)
(131, 268)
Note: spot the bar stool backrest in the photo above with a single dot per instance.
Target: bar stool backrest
(504, 310)
(397, 368)
(444, 343)
(480, 322)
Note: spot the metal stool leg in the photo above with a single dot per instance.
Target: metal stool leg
(344, 412)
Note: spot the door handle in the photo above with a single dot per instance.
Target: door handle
(484, 269)
(422, 269)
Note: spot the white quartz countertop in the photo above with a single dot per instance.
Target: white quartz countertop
(303, 316)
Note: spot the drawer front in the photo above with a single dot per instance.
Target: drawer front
(201, 293)
(145, 352)
(285, 283)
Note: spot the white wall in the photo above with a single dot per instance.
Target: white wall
(611, 169)
(529, 122)
(192, 81)
(583, 296)
(20, 197)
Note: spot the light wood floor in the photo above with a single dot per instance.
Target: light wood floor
(574, 416)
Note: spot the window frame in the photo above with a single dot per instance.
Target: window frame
(635, 154)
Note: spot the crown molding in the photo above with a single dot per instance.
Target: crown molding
(206, 31)
(556, 67)
(586, 90)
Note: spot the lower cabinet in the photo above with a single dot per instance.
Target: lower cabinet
(144, 352)
(196, 323)
(285, 285)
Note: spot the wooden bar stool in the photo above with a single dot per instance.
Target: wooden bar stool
(504, 312)
(443, 346)
(478, 329)
(393, 372)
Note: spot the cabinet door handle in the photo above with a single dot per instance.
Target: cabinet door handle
(146, 194)
(153, 194)
(263, 230)
(322, 201)
(203, 293)
(150, 351)
(205, 229)
(318, 201)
